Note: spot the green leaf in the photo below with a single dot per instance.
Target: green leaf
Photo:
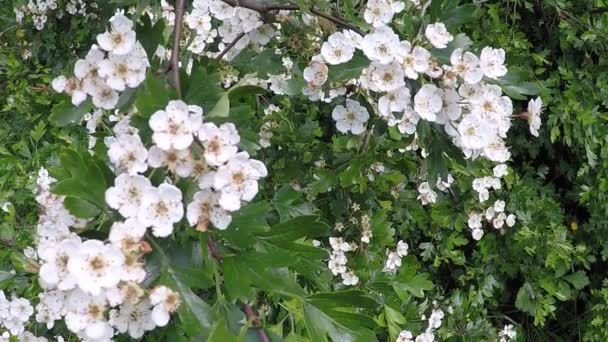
(461, 41)
(65, 113)
(152, 95)
(263, 63)
(458, 16)
(221, 108)
(194, 313)
(296, 228)
(409, 282)
(349, 70)
(578, 279)
(345, 298)
(150, 36)
(203, 88)
(81, 208)
(340, 326)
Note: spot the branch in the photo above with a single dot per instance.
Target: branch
(263, 8)
(255, 321)
(230, 46)
(213, 249)
(177, 33)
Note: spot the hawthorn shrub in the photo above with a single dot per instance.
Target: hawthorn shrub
(228, 170)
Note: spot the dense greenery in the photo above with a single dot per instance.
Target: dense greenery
(546, 275)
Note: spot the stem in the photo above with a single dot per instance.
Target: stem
(263, 8)
(213, 249)
(230, 46)
(177, 32)
(255, 321)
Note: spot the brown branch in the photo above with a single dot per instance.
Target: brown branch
(177, 33)
(213, 249)
(255, 322)
(230, 46)
(263, 8)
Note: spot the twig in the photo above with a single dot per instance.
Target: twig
(255, 321)
(213, 249)
(337, 20)
(264, 7)
(177, 33)
(230, 46)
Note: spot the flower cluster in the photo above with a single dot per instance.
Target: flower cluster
(426, 194)
(82, 279)
(117, 63)
(40, 10)
(434, 323)
(14, 313)
(393, 259)
(337, 260)
(235, 21)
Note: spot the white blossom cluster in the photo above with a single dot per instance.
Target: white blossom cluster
(337, 260)
(426, 194)
(14, 313)
(434, 323)
(393, 259)
(495, 214)
(118, 62)
(461, 95)
(507, 334)
(40, 10)
(234, 21)
(91, 284)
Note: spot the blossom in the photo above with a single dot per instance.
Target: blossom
(205, 208)
(180, 162)
(127, 234)
(127, 194)
(438, 35)
(121, 71)
(381, 45)
(475, 132)
(161, 208)
(351, 118)
(337, 49)
(350, 278)
(428, 102)
(414, 60)
(220, 143)
(55, 259)
(426, 195)
(500, 170)
(378, 12)
(96, 265)
(237, 180)
(492, 62)
(466, 65)
(402, 248)
(405, 336)
(121, 37)
(534, 112)
(135, 319)
(128, 153)
(316, 73)
(165, 302)
(175, 126)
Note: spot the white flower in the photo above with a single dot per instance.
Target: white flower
(121, 37)
(428, 102)
(492, 62)
(511, 220)
(85, 313)
(386, 77)
(405, 336)
(205, 208)
(127, 235)
(499, 206)
(180, 162)
(128, 153)
(438, 35)
(337, 262)
(352, 118)
(475, 220)
(508, 333)
(104, 97)
(414, 60)
(499, 220)
(174, 127)
(316, 73)
(500, 170)
(402, 248)
(165, 302)
(54, 270)
(350, 278)
(121, 71)
(426, 194)
(466, 65)
(96, 266)
(21, 309)
(534, 112)
(395, 101)
(477, 234)
(220, 143)
(161, 208)
(88, 68)
(381, 45)
(378, 12)
(338, 244)
(337, 49)
(237, 180)
(127, 193)
(393, 261)
(135, 319)
(475, 132)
